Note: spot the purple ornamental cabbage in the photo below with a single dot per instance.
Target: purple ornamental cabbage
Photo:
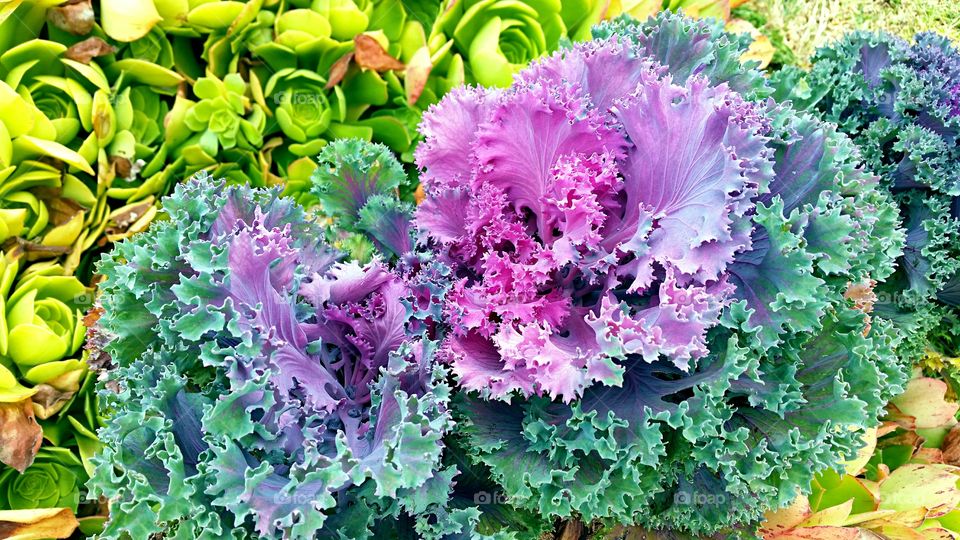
(266, 390)
(650, 271)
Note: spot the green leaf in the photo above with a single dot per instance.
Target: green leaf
(27, 146)
(145, 72)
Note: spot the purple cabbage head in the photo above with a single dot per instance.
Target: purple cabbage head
(649, 260)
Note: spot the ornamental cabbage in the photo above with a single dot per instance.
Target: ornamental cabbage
(648, 315)
(262, 388)
(901, 104)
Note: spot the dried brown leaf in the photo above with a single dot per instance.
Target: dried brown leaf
(417, 74)
(88, 49)
(61, 209)
(48, 401)
(20, 434)
(338, 70)
(572, 530)
(951, 446)
(370, 55)
(122, 166)
(74, 17)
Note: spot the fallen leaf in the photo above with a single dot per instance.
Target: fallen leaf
(417, 74)
(886, 427)
(823, 533)
(121, 221)
(92, 316)
(88, 49)
(904, 438)
(830, 517)
(48, 401)
(900, 532)
(370, 55)
(338, 70)
(60, 209)
(924, 400)
(776, 522)
(927, 455)
(910, 519)
(761, 49)
(37, 524)
(75, 17)
(32, 251)
(20, 435)
(937, 533)
(857, 519)
(932, 488)
(951, 446)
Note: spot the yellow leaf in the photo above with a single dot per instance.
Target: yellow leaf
(788, 517)
(64, 235)
(924, 400)
(37, 524)
(128, 20)
(857, 463)
(913, 486)
(760, 50)
(833, 516)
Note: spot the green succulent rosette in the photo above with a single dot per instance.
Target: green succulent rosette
(49, 407)
(43, 326)
(78, 142)
(42, 331)
(500, 37)
(142, 93)
(51, 482)
(224, 116)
